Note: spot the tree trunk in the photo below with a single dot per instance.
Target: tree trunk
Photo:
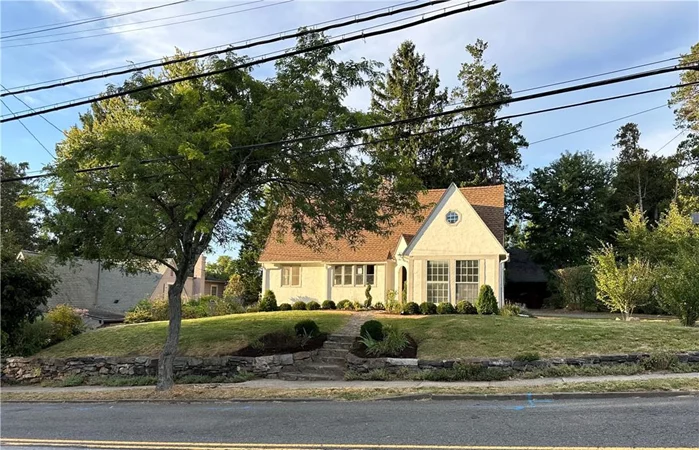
(165, 363)
(640, 195)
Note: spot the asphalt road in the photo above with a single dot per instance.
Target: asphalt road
(630, 422)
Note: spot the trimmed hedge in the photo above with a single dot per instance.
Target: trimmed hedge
(486, 303)
(299, 306)
(373, 329)
(285, 307)
(268, 302)
(428, 308)
(466, 307)
(411, 308)
(445, 308)
(312, 306)
(344, 305)
(307, 328)
(328, 304)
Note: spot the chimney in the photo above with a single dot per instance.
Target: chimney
(200, 268)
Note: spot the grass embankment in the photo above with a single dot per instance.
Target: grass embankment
(226, 392)
(211, 336)
(457, 336)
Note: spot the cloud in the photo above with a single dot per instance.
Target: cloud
(56, 4)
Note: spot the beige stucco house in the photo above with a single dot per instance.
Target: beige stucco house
(445, 257)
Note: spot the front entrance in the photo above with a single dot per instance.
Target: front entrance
(403, 285)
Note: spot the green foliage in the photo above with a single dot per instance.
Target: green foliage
(379, 307)
(307, 328)
(411, 308)
(486, 303)
(285, 307)
(465, 372)
(373, 329)
(195, 309)
(367, 295)
(138, 316)
(510, 310)
(222, 269)
(29, 338)
(678, 281)
(392, 303)
(466, 307)
(65, 322)
(220, 307)
(527, 357)
(576, 286)
(357, 306)
(312, 306)
(254, 235)
(268, 302)
(252, 308)
(20, 209)
(621, 287)
(445, 308)
(660, 361)
(393, 343)
(234, 287)
(328, 304)
(428, 308)
(299, 306)
(344, 305)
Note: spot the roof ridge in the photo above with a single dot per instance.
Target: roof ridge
(485, 186)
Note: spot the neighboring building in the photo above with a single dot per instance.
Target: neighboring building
(446, 257)
(526, 282)
(195, 286)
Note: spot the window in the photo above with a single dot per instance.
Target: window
(370, 274)
(437, 281)
(349, 275)
(452, 217)
(291, 276)
(359, 275)
(467, 280)
(214, 290)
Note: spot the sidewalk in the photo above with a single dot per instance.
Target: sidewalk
(298, 385)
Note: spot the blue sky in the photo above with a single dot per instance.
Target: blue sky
(533, 43)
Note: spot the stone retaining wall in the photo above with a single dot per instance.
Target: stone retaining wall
(34, 370)
(364, 365)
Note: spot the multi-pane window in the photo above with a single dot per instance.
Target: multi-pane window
(452, 217)
(291, 276)
(214, 290)
(350, 275)
(467, 280)
(437, 281)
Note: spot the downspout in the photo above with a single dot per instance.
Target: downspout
(502, 278)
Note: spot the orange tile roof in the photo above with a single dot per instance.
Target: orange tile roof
(488, 201)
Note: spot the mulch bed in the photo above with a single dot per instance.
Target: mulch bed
(281, 343)
(359, 349)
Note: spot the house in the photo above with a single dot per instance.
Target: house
(107, 294)
(445, 257)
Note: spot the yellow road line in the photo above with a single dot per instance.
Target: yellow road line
(154, 445)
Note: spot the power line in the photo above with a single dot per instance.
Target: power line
(160, 63)
(32, 109)
(149, 28)
(669, 142)
(74, 23)
(374, 126)
(29, 131)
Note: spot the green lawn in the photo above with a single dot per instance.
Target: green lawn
(212, 336)
(459, 336)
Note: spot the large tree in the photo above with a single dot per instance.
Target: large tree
(565, 206)
(222, 268)
(207, 170)
(19, 210)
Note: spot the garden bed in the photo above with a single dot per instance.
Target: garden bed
(359, 349)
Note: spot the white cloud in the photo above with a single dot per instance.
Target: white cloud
(56, 4)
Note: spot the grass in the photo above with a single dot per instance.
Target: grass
(119, 381)
(464, 336)
(200, 393)
(211, 336)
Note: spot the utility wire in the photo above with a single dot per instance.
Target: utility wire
(256, 43)
(74, 23)
(29, 131)
(369, 127)
(215, 16)
(669, 142)
(32, 109)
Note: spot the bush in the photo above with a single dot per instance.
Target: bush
(445, 308)
(411, 308)
(357, 306)
(285, 307)
(486, 303)
(344, 305)
(510, 310)
(660, 361)
(393, 343)
(527, 357)
(379, 307)
(299, 306)
(328, 304)
(252, 308)
(138, 316)
(223, 306)
(679, 285)
(31, 337)
(313, 306)
(306, 328)
(428, 308)
(160, 310)
(392, 303)
(576, 287)
(373, 329)
(234, 288)
(367, 296)
(268, 302)
(65, 323)
(466, 307)
(466, 372)
(195, 309)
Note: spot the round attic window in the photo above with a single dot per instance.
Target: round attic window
(452, 217)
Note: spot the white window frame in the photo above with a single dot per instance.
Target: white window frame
(342, 271)
(465, 278)
(442, 284)
(288, 276)
(456, 213)
(213, 290)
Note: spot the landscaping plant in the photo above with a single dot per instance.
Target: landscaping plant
(367, 295)
(393, 343)
(299, 306)
(679, 284)
(285, 307)
(307, 328)
(411, 308)
(466, 307)
(486, 303)
(65, 322)
(445, 308)
(510, 310)
(344, 305)
(379, 307)
(268, 302)
(312, 306)
(357, 306)
(373, 329)
(428, 308)
(328, 304)
(392, 303)
(576, 285)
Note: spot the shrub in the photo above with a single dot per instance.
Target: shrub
(445, 308)
(160, 309)
(307, 328)
(466, 372)
(285, 307)
(328, 304)
(576, 286)
(344, 305)
(393, 343)
(299, 306)
(65, 323)
(195, 309)
(466, 307)
(312, 306)
(367, 296)
(31, 337)
(428, 308)
(392, 303)
(373, 329)
(411, 308)
(268, 302)
(357, 306)
(486, 303)
(527, 357)
(223, 306)
(660, 361)
(234, 288)
(379, 307)
(252, 308)
(138, 316)
(679, 285)
(510, 310)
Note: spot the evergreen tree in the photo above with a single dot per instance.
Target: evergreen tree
(253, 238)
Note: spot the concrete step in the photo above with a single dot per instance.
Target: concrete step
(341, 338)
(333, 345)
(336, 360)
(328, 369)
(332, 353)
